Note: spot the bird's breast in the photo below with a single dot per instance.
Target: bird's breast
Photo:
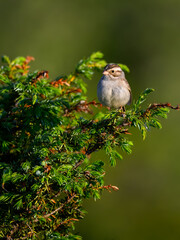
(112, 93)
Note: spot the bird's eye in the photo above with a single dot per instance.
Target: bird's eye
(112, 71)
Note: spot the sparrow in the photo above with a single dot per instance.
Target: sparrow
(113, 89)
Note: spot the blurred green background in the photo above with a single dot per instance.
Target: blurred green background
(145, 35)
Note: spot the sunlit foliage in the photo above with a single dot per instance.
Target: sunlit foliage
(48, 133)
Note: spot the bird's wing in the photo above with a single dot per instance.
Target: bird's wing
(129, 88)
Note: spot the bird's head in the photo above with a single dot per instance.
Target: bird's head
(113, 71)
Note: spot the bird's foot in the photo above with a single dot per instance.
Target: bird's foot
(122, 111)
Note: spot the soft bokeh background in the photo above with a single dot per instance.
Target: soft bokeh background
(145, 35)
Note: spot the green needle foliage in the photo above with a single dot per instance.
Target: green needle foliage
(48, 133)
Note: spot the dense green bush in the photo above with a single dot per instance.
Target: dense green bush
(48, 132)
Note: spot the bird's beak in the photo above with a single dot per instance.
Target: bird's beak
(105, 73)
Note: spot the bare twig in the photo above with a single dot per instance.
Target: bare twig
(66, 221)
(31, 229)
(162, 105)
(58, 209)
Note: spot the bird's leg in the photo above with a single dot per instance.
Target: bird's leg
(122, 111)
